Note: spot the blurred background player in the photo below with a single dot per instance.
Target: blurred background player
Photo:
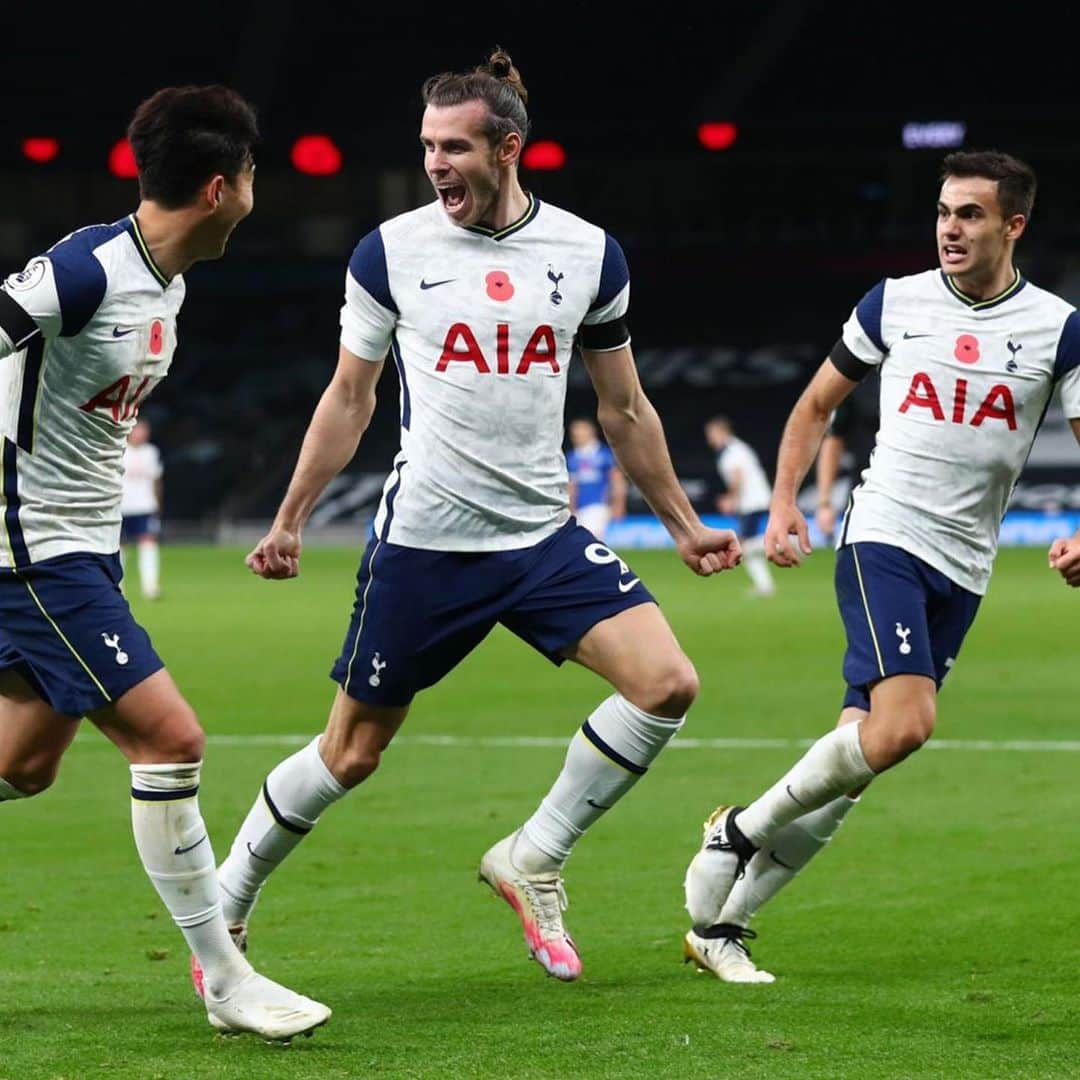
(845, 453)
(597, 484)
(99, 311)
(746, 496)
(140, 506)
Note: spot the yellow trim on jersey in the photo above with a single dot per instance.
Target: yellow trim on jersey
(363, 612)
(525, 218)
(976, 304)
(71, 648)
(866, 606)
(145, 252)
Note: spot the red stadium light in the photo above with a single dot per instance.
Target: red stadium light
(717, 134)
(544, 156)
(316, 155)
(122, 161)
(40, 148)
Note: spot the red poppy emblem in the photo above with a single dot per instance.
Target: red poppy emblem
(967, 349)
(157, 337)
(498, 285)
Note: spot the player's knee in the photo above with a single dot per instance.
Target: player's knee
(355, 764)
(30, 781)
(673, 688)
(181, 738)
(913, 728)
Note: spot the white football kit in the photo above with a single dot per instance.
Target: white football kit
(142, 470)
(481, 326)
(964, 387)
(87, 331)
(738, 461)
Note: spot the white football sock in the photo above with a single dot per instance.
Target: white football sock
(175, 850)
(832, 766)
(149, 568)
(788, 850)
(610, 753)
(10, 791)
(295, 793)
(758, 568)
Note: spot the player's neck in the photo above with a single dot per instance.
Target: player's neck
(986, 286)
(170, 236)
(509, 206)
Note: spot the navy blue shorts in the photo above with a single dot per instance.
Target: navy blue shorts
(419, 613)
(902, 617)
(135, 526)
(753, 525)
(66, 628)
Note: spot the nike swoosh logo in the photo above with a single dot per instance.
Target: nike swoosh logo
(626, 586)
(597, 805)
(191, 847)
(780, 862)
(432, 284)
(123, 331)
(793, 799)
(908, 337)
(255, 855)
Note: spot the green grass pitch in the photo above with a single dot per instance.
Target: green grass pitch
(937, 937)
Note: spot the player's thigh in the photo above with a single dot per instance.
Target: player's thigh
(152, 723)
(637, 652)
(33, 735)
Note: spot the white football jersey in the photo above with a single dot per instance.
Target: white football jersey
(87, 331)
(964, 387)
(738, 463)
(142, 470)
(481, 325)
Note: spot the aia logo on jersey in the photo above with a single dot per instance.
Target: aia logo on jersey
(461, 346)
(118, 399)
(997, 405)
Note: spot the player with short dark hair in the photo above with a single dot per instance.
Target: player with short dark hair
(969, 355)
(87, 331)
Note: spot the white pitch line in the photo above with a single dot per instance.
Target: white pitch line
(544, 742)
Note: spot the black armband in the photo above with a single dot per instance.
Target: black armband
(848, 364)
(15, 322)
(604, 337)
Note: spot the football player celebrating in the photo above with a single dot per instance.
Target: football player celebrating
(478, 298)
(969, 355)
(87, 331)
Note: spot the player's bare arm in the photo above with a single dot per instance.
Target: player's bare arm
(636, 437)
(803, 432)
(828, 468)
(1065, 551)
(617, 495)
(340, 418)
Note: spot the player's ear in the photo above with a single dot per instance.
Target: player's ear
(509, 151)
(1015, 226)
(215, 192)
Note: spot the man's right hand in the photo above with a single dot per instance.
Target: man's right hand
(276, 556)
(786, 522)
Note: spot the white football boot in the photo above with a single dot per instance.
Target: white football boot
(539, 900)
(721, 950)
(262, 1007)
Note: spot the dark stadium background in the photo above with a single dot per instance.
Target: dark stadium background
(744, 263)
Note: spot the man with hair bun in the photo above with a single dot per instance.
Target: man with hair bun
(479, 298)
